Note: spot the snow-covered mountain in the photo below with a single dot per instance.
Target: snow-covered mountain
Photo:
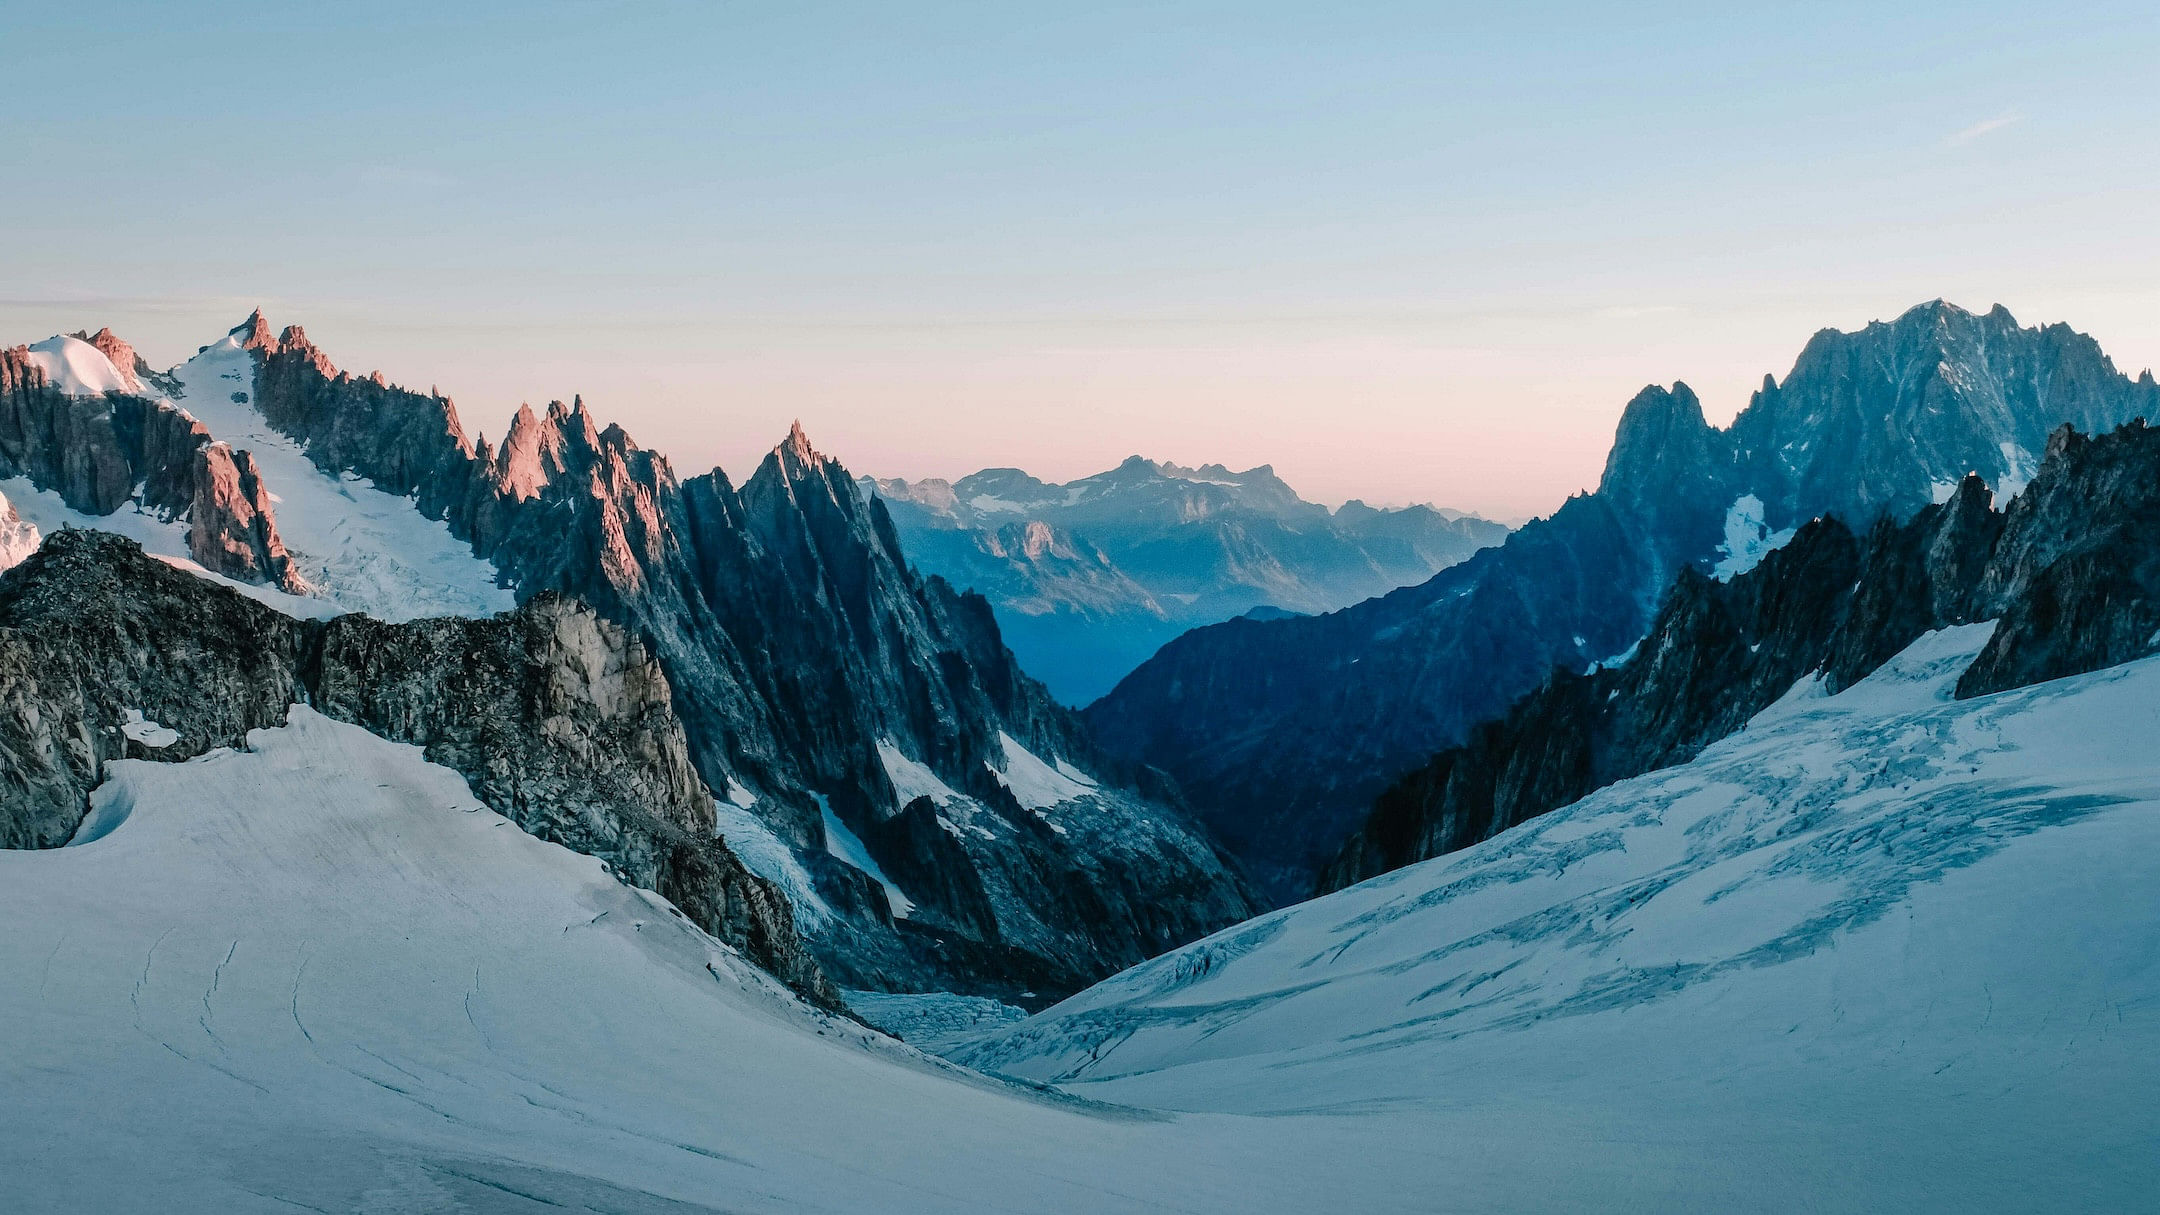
(1885, 949)
(1283, 731)
(819, 682)
(1090, 577)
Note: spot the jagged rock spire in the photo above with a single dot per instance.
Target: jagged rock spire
(254, 334)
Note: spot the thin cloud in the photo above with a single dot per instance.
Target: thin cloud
(1633, 312)
(1985, 127)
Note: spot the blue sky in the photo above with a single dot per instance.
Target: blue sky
(1402, 252)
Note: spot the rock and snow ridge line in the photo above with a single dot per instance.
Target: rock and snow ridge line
(745, 593)
(1284, 732)
(259, 509)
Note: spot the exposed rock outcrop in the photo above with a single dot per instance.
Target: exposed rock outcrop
(94, 636)
(230, 529)
(558, 719)
(2071, 568)
(1284, 731)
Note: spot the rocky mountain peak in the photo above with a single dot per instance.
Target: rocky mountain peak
(795, 459)
(254, 334)
(1661, 432)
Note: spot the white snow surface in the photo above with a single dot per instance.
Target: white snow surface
(1748, 538)
(1035, 784)
(1879, 951)
(910, 779)
(2019, 465)
(318, 975)
(19, 537)
(847, 847)
(145, 731)
(363, 549)
(77, 368)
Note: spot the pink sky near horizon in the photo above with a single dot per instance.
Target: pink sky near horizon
(1503, 413)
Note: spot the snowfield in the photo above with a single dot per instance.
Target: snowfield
(1881, 951)
(77, 368)
(318, 975)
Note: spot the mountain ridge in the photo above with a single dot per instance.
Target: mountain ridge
(797, 641)
(1286, 730)
(1090, 576)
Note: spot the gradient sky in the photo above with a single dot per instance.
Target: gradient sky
(1404, 252)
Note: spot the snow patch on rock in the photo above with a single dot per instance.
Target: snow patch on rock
(1035, 784)
(18, 536)
(768, 856)
(1748, 538)
(77, 368)
(145, 731)
(847, 847)
(911, 780)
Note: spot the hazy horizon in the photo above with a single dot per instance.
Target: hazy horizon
(1414, 256)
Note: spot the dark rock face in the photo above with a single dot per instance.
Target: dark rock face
(63, 443)
(557, 719)
(1090, 577)
(796, 640)
(90, 630)
(2071, 569)
(2077, 570)
(1284, 731)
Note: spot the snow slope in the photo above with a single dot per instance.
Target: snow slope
(1882, 950)
(363, 549)
(77, 368)
(317, 974)
(19, 537)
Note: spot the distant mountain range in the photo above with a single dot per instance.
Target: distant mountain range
(1090, 577)
(1282, 732)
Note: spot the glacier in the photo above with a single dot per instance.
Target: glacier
(1884, 949)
